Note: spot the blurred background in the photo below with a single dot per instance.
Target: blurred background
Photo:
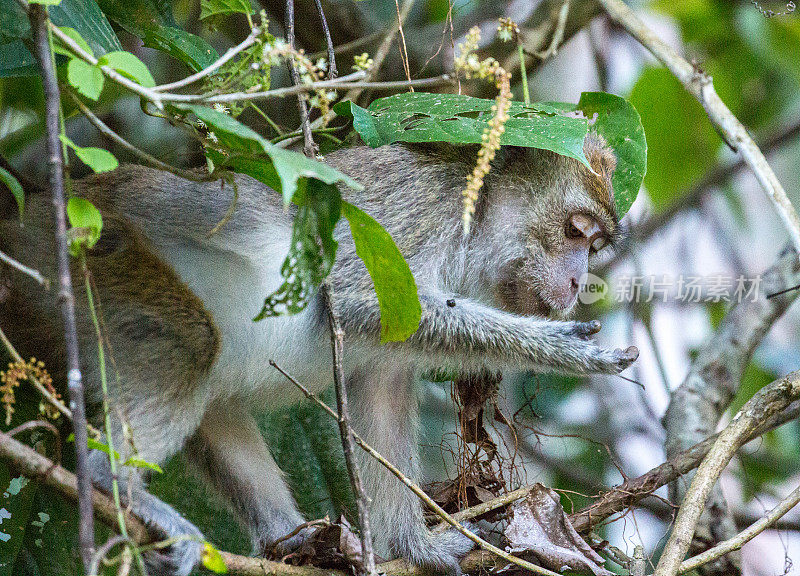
(697, 216)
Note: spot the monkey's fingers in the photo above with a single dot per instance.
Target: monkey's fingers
(626, 357)
(586, 329)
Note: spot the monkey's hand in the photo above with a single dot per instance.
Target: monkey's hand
(464, 330)
(581, 355)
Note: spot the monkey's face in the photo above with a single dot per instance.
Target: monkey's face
(567, 215)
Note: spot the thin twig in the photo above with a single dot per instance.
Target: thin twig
(699, 84)
(35, 274)
(40, 23)
(216, 65)
(340, 384)
(765, 403)
(332, 72)
(744, 536)
(309, 148)
(108, 132)
(103, 551)
(558, 33)
(146, 93)
(403, 49)
(382, 51)
(631, 491)
(419, 492)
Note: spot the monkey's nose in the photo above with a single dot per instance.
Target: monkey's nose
(574, 286)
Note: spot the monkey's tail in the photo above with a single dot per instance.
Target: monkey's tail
(8, 205)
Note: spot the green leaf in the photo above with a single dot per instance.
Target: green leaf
(84, 216)
(212, 559)
(46, 2)
(130, 66)
(152, 21)
(91, 443)
(393, 280)
(425, 117)
(311, 252)
(97, 159)
(619, 123)
(83, 16)
(15, 188)
(85, 78)
(421, 117)
(59, 47)
(136, 462)
(287, 167)
(223, 7)
(682, 144)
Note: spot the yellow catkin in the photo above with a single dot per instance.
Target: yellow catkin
(16, 373)
(472, 67)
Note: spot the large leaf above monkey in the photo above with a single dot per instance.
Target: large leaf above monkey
(554, 126)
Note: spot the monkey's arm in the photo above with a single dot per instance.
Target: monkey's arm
(460, 329)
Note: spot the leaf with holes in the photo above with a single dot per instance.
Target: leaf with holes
(555, 126)
(424, 117)
(312, 249)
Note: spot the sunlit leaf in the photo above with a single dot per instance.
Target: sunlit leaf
(393, 280)
(136, 462)
(83, 215)
(85, 78)
(97, 159)
(130, 66)
(212, 559)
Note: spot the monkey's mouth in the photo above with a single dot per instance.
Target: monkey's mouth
(523, 296)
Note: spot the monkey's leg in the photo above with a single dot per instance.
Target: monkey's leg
(229, 451)
(384, 409)
(158, 433)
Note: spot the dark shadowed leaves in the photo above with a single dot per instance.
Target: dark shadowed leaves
(153, 22)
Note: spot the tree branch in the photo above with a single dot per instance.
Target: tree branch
(40, 24)
(340, 384)
(765, 403)
(699, 84)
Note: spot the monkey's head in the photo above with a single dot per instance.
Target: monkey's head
(557, 214)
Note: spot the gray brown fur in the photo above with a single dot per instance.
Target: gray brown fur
(177, 307)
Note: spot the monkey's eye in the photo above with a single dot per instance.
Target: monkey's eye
(572, 231)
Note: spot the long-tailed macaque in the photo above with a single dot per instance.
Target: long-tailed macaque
(177, 307)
